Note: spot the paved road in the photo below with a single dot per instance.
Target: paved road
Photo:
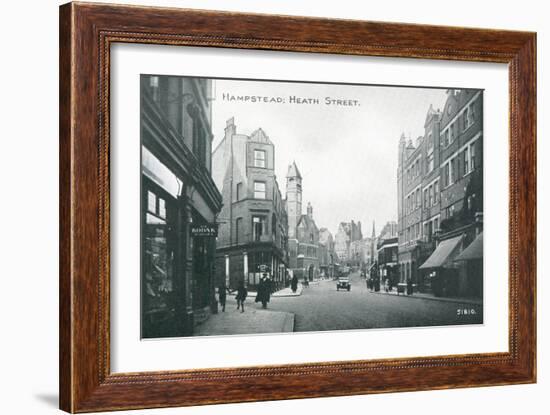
(321, 307)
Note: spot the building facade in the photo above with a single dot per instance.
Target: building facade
(439, 187)
(253, 221)
(327, 254)
(387, 248)
(177, 192)
(303, 233)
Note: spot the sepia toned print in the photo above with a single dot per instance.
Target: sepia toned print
(277, 207)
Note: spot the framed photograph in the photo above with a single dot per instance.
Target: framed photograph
(258, 207)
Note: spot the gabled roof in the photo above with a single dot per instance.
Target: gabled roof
(309, 223)
(260, 136)
(293, 171)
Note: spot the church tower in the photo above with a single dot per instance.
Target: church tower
(293, 198)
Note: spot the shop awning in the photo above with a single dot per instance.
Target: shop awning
(473, 251)
(443, 254)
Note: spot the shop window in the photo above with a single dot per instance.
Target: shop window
(158, 251)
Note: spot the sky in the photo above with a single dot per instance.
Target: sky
(343, 138)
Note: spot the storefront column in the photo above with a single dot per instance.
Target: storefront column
(245, 268)
(189, 269)
(183, 267)
(227, 282)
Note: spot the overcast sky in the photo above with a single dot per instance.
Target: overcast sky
(347, 154)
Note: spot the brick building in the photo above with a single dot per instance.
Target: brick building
(253, 221)
(439, 187)
(303, 233)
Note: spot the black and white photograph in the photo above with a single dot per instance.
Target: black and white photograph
(271, 207)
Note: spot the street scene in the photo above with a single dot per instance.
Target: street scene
(279, 207)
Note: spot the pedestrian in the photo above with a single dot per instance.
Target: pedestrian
(294, 283)
(241, 296)
(264, 292)
(222, 295)
(386, 285)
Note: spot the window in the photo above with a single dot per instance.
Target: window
(238, 230)
(466, 160)
(154, 87)
(472, 157)
(446, 175)
(259, 158)
(239, 191)
(425, 198)
(436, 224)
(156, 205)
(431, 195)
(430, 143)
(452, 132)
(151, 202)
(258, 227)
(464, 118)
(471, 114)
(259, 190)
(450, 211)
(418, 200)
(452, 171)
(436, 191)
(430, 163)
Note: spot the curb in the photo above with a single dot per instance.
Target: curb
(441, 300)
(288, 325)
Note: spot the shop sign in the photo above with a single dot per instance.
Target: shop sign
(204, 230)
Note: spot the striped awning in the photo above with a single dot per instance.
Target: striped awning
(473, 251)
(444, 254)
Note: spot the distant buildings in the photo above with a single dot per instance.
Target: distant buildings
(253, 221)
(387, 249)
(327, 254)
(347, 242)
(440, 197)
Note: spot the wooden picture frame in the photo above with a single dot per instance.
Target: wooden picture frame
(86, 33)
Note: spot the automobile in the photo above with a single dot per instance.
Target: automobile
(343, 282)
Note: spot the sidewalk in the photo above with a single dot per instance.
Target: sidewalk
(425, 296)
(253, 320)
(287, 292)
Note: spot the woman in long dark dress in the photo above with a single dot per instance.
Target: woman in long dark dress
(294, 283)
(264, 292)
(222, 295)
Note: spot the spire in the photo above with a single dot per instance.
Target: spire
(293, 171)
(373, 230)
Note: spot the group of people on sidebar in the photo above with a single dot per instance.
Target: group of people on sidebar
(263, 294)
